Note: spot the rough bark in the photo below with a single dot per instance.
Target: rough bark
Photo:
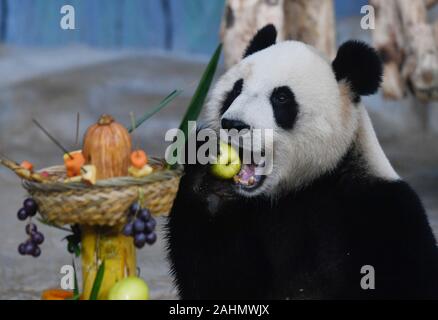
(242, 19)
(312, 22)
(421, 48)
(430, 3)
(388, 40)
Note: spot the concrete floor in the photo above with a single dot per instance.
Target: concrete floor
(118, 85)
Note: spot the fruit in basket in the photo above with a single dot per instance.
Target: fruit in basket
(73, 179)
(130, 288)
(27, 165)
(228, 162)
(89, 174)
(140, 173)
(139, 159)
(71, 153)
(107, 145)
(73, 163)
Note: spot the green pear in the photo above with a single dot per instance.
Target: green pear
(228, 162)
(130, 288)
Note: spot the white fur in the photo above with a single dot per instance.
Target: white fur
(323, 131)
(375, 158)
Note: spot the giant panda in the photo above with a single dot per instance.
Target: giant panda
(332, 207)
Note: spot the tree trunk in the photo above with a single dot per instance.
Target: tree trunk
(388, 40)
(241, 21)
(422, 49)
(312, 22)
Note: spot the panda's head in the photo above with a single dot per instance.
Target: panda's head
(311, 104)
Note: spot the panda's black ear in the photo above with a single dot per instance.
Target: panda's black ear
(264, 38)
(360, 65)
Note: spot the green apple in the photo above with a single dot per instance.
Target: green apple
(130, 288)
(228, 162)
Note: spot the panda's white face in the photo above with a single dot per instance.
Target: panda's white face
(291, 89)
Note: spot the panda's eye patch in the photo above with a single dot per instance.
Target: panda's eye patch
(282, 95)
(232, 95)
(284, 106)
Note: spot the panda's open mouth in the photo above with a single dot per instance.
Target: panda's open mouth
(247, 178)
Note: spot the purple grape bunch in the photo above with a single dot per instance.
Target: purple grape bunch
(35, 238)
(141, 226)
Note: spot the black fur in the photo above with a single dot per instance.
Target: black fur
(309, 244)
(232, 95)
(360, 65)
(285, 107)
(263, 39)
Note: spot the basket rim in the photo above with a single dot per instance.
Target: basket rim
(118, 182)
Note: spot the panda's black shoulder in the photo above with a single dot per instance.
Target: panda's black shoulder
(392, 209)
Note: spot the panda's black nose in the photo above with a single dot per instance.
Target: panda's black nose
(233, 124)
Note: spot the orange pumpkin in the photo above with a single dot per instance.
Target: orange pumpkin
(107, 145)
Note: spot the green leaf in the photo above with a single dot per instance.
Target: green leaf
(77, 250)
(201, 92)
(76, 288)
(97, 282)
(72, 242)
(154, 110)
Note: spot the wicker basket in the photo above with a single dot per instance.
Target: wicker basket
(105, 203)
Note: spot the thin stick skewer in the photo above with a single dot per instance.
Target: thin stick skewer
(133, 125)
(55, 141)
(52, 138)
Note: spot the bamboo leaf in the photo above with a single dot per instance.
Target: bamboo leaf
(97, 281)
(154, 110)
(201, 92)
(76, 287)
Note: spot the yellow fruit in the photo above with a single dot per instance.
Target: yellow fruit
(73, 179)
(89, 174)
(139, 173)
(130, 288)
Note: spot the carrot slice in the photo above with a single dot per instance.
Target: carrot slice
(56, 294)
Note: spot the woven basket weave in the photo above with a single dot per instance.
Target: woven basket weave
(105, 203)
